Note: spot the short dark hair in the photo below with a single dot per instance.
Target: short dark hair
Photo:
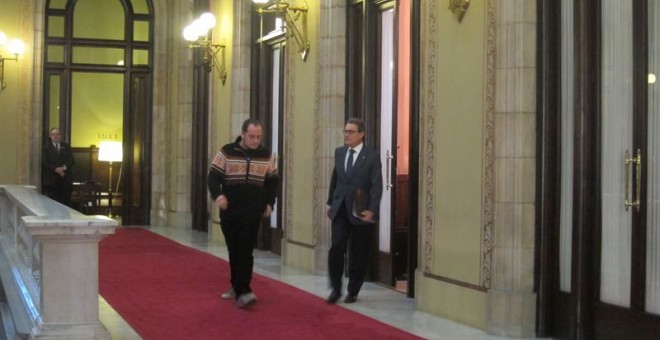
(359, 122)
(248, 122)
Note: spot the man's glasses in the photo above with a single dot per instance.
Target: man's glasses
(349, 132)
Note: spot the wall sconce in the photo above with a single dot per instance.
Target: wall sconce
(15, 47)
(197, 33)
(290, 14)
(110, 151)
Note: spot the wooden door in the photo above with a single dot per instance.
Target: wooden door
(627, 281)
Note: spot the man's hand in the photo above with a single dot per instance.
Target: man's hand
(222, 202)
(328, 211)
(268, 210)
(60, 171)
(367, 216)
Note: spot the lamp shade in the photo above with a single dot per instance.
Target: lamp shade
(110, 151)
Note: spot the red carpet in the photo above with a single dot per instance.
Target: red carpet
(165, 290)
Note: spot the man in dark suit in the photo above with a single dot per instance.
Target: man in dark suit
(57, 163)
(353, 205)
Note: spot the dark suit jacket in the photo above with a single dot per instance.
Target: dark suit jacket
(52, 159)
(366, 175)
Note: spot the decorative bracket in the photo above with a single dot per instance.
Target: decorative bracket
(197, 33)
(459, 7)
(291, 14)
(210, 56)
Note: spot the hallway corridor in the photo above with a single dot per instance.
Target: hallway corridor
(383, 304)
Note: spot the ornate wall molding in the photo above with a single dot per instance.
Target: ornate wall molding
(489, 146)
(429, 32)
(289, 139)
(430, 36)
(318, 131)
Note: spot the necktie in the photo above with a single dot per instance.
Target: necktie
(57, 146)
(349, 164)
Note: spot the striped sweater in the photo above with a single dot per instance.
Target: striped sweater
(248, 178)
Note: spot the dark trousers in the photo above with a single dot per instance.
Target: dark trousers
(358, 237)
(240, 237)
(60, 191)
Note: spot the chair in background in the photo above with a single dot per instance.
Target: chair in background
(86, 197)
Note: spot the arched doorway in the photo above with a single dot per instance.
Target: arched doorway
(98, 59)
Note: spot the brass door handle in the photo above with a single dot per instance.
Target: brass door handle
(388, 170)
(638, 179)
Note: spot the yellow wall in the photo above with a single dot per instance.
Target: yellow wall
(221, 130)
(302, 75)
(298, 256)
(14, 98)
(464, 305)
(220, 120)
(458, 166)
(459, 126)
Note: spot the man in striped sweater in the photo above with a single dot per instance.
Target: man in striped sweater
(242, 181)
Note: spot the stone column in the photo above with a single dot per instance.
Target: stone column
(511, 300)
(329, 116)
(240, 66)
(159, 170)
(172, 116)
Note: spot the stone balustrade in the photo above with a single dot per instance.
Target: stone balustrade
(49, 266)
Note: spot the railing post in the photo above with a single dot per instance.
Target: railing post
(49, 265)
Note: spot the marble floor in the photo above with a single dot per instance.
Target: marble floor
(383, 304)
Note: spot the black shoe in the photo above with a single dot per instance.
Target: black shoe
(333, 297)
(350, 298)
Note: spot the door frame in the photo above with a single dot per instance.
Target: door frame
(200, 134)
(135, 210)
(261, 107)
(363, 101)
(559, 314)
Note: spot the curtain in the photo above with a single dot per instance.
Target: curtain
(616, 139)
(653, 169)
(386, 121)
(567, 107)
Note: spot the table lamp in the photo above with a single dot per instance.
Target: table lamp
(110, 151)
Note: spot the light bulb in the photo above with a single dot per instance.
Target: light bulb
(16, 46)
(189, 33)
(199, 28)
(207, 20)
